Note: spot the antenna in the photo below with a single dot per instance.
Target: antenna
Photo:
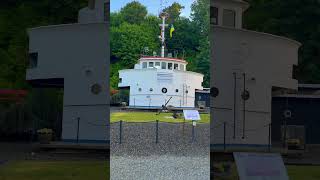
(163, 16)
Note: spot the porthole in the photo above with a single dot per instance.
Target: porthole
(151, 89)
(177, 90)
(187, 91)
(139, 89)
(88, 73)
(164, 90)
(96, 89)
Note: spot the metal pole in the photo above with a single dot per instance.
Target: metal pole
(162, 35)
(184, 121)
(234, 104)
(305, 137)
(157, 129)
(224, 136)
(193, 132)
(285, 126)
(78, 126)
(120, 132)
(285, 133)
(134, 102)
(244, 107)
(269, 138)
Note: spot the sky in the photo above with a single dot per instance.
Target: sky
(153, 6)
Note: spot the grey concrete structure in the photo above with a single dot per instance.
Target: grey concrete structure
(245, 60)
(76, 57)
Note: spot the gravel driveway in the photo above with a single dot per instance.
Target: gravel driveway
(174, 157)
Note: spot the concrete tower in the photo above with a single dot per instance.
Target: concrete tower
(75, 57)
(245, 67)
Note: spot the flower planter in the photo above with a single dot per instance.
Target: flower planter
(45, 138)
(45, 135)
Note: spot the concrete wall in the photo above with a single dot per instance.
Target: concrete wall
(267, 61)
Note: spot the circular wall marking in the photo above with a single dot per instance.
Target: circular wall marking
(287, 113)
(164, 90)
(214, 92)
(96, 88)
(245, 95)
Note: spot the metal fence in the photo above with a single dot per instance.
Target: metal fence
(226, 135)
(154, 129)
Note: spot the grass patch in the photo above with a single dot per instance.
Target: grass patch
(151, 117)
(304, 172)
(54, 170)
(294, 173)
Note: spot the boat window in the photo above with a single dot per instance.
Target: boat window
(157, 64)
(177, 90)
(144, 65)
(150, 64)
(176, 66)
(164, 90)
(163, 65)
(169, 65)
(181, 67)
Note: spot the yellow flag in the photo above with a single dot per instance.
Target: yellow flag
(171, 30)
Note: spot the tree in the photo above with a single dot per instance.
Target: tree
(127, 42)
(201, 19)
(134, 12)
(174, 11)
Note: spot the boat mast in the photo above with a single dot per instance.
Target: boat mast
(163, 15)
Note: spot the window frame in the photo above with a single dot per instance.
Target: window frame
(146, 65)
(181, 67)
(163, 65)
(152, 64)
(214, 14)
(225, 21)
(176, 66)
(106, 11)
(33, 60)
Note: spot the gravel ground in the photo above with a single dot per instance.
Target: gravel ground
(174, 157)
(138, 139)
(160, 167)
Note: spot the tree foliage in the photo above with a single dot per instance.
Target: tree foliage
(134, 12)
(174, 11)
